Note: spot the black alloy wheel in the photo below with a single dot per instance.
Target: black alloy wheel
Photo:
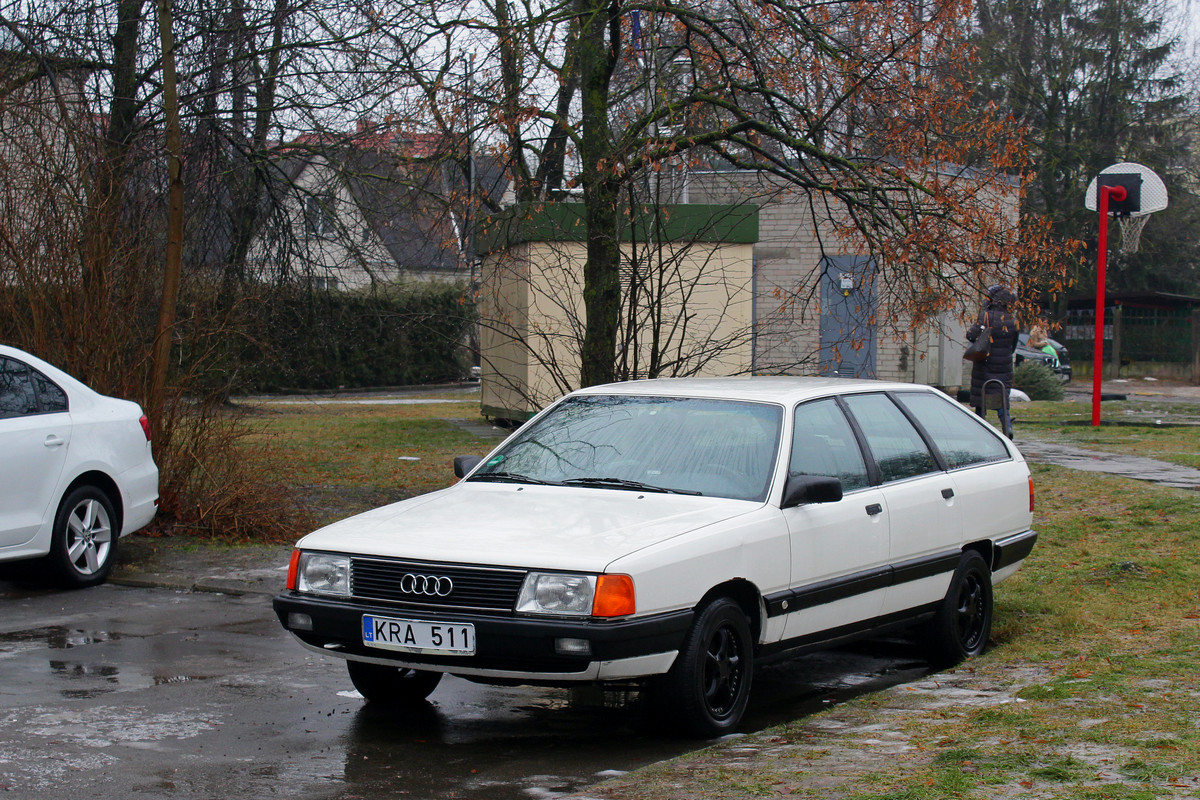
(964, 620)
(709, 685)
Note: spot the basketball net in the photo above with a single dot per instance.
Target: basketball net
(1131, 233)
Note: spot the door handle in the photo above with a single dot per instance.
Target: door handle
(54, 441)
(947, 493)
(874, 509)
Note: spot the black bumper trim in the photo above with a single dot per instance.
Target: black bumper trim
(1012, 549)
(503, 643)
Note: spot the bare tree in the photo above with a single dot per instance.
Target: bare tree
(864, 107)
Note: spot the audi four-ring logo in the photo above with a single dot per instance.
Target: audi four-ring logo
(431, 585)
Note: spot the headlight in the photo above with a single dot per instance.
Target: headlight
(321, 573)
(548, 593)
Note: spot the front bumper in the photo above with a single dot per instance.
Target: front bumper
(508, 648)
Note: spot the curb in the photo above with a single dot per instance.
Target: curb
(231, 587)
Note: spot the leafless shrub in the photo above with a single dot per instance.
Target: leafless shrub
(218, 480)
(79, 287)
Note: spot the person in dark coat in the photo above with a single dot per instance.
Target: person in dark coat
(997, 315)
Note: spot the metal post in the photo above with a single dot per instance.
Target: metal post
(1104, 192)
(1195, 346)
(1114, 354)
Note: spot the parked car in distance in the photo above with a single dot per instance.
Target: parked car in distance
(671, 535)
(76, 471)
(1061, 368)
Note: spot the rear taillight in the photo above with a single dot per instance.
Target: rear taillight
(1031, 495)
(145, 421)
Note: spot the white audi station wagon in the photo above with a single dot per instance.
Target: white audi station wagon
(672, 534)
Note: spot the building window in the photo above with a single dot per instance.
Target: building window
(318, 216)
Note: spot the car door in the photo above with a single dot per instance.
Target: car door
(839, 550)
(992, 491)
(35, 431)
(925, 516)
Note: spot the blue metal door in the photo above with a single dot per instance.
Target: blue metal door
(848, 317)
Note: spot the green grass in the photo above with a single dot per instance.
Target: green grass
(1107, 614)
(348, 458)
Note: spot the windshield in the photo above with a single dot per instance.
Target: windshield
(717, 448)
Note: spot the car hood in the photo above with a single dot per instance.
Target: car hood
(548, 527)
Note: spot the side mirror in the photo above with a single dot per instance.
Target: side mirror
(464, 464)
(803, 489)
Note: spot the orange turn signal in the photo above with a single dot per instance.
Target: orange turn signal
(293, 566)
(614, 596)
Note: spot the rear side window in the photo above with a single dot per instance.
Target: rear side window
(896, 445)
(960, 436)
(51, 398)
(823, 444)
(17, 397)
(25, 391)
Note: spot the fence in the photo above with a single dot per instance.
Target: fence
(1133, 334)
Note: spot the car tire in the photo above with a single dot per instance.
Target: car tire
(392, 686)
(963, 621)
(83, 544)
(706, 691)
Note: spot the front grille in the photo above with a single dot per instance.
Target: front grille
(475, 588)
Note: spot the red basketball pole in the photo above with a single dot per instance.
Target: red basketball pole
(1104, 192)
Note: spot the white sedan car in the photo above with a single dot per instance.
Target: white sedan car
(76, 471)
(672, 534)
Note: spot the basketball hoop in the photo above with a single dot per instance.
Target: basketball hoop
(1131, 233)
(1131, 193)
(1145, 194)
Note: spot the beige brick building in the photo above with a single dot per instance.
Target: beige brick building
(817, 308)
(785, 296)
(687, 299)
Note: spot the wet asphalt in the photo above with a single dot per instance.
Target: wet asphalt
(142, 691)
(1126, 466)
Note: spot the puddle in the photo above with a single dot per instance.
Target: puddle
(67, 669)
(58, 638)
(86, 694)
(89, 678)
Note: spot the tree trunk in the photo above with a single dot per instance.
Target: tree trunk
(174, 253)
(598, 42)
(106, 199)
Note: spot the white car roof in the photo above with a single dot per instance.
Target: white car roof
(773, 389)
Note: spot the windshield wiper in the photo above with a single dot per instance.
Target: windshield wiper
(621, 483)
(511, 477)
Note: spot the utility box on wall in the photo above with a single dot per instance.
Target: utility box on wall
(686, 298)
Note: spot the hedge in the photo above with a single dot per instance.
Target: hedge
(297, 338)
(290, 337)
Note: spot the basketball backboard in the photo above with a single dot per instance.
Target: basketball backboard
(1145, 191)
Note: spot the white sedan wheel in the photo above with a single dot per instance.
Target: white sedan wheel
(84, 540)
